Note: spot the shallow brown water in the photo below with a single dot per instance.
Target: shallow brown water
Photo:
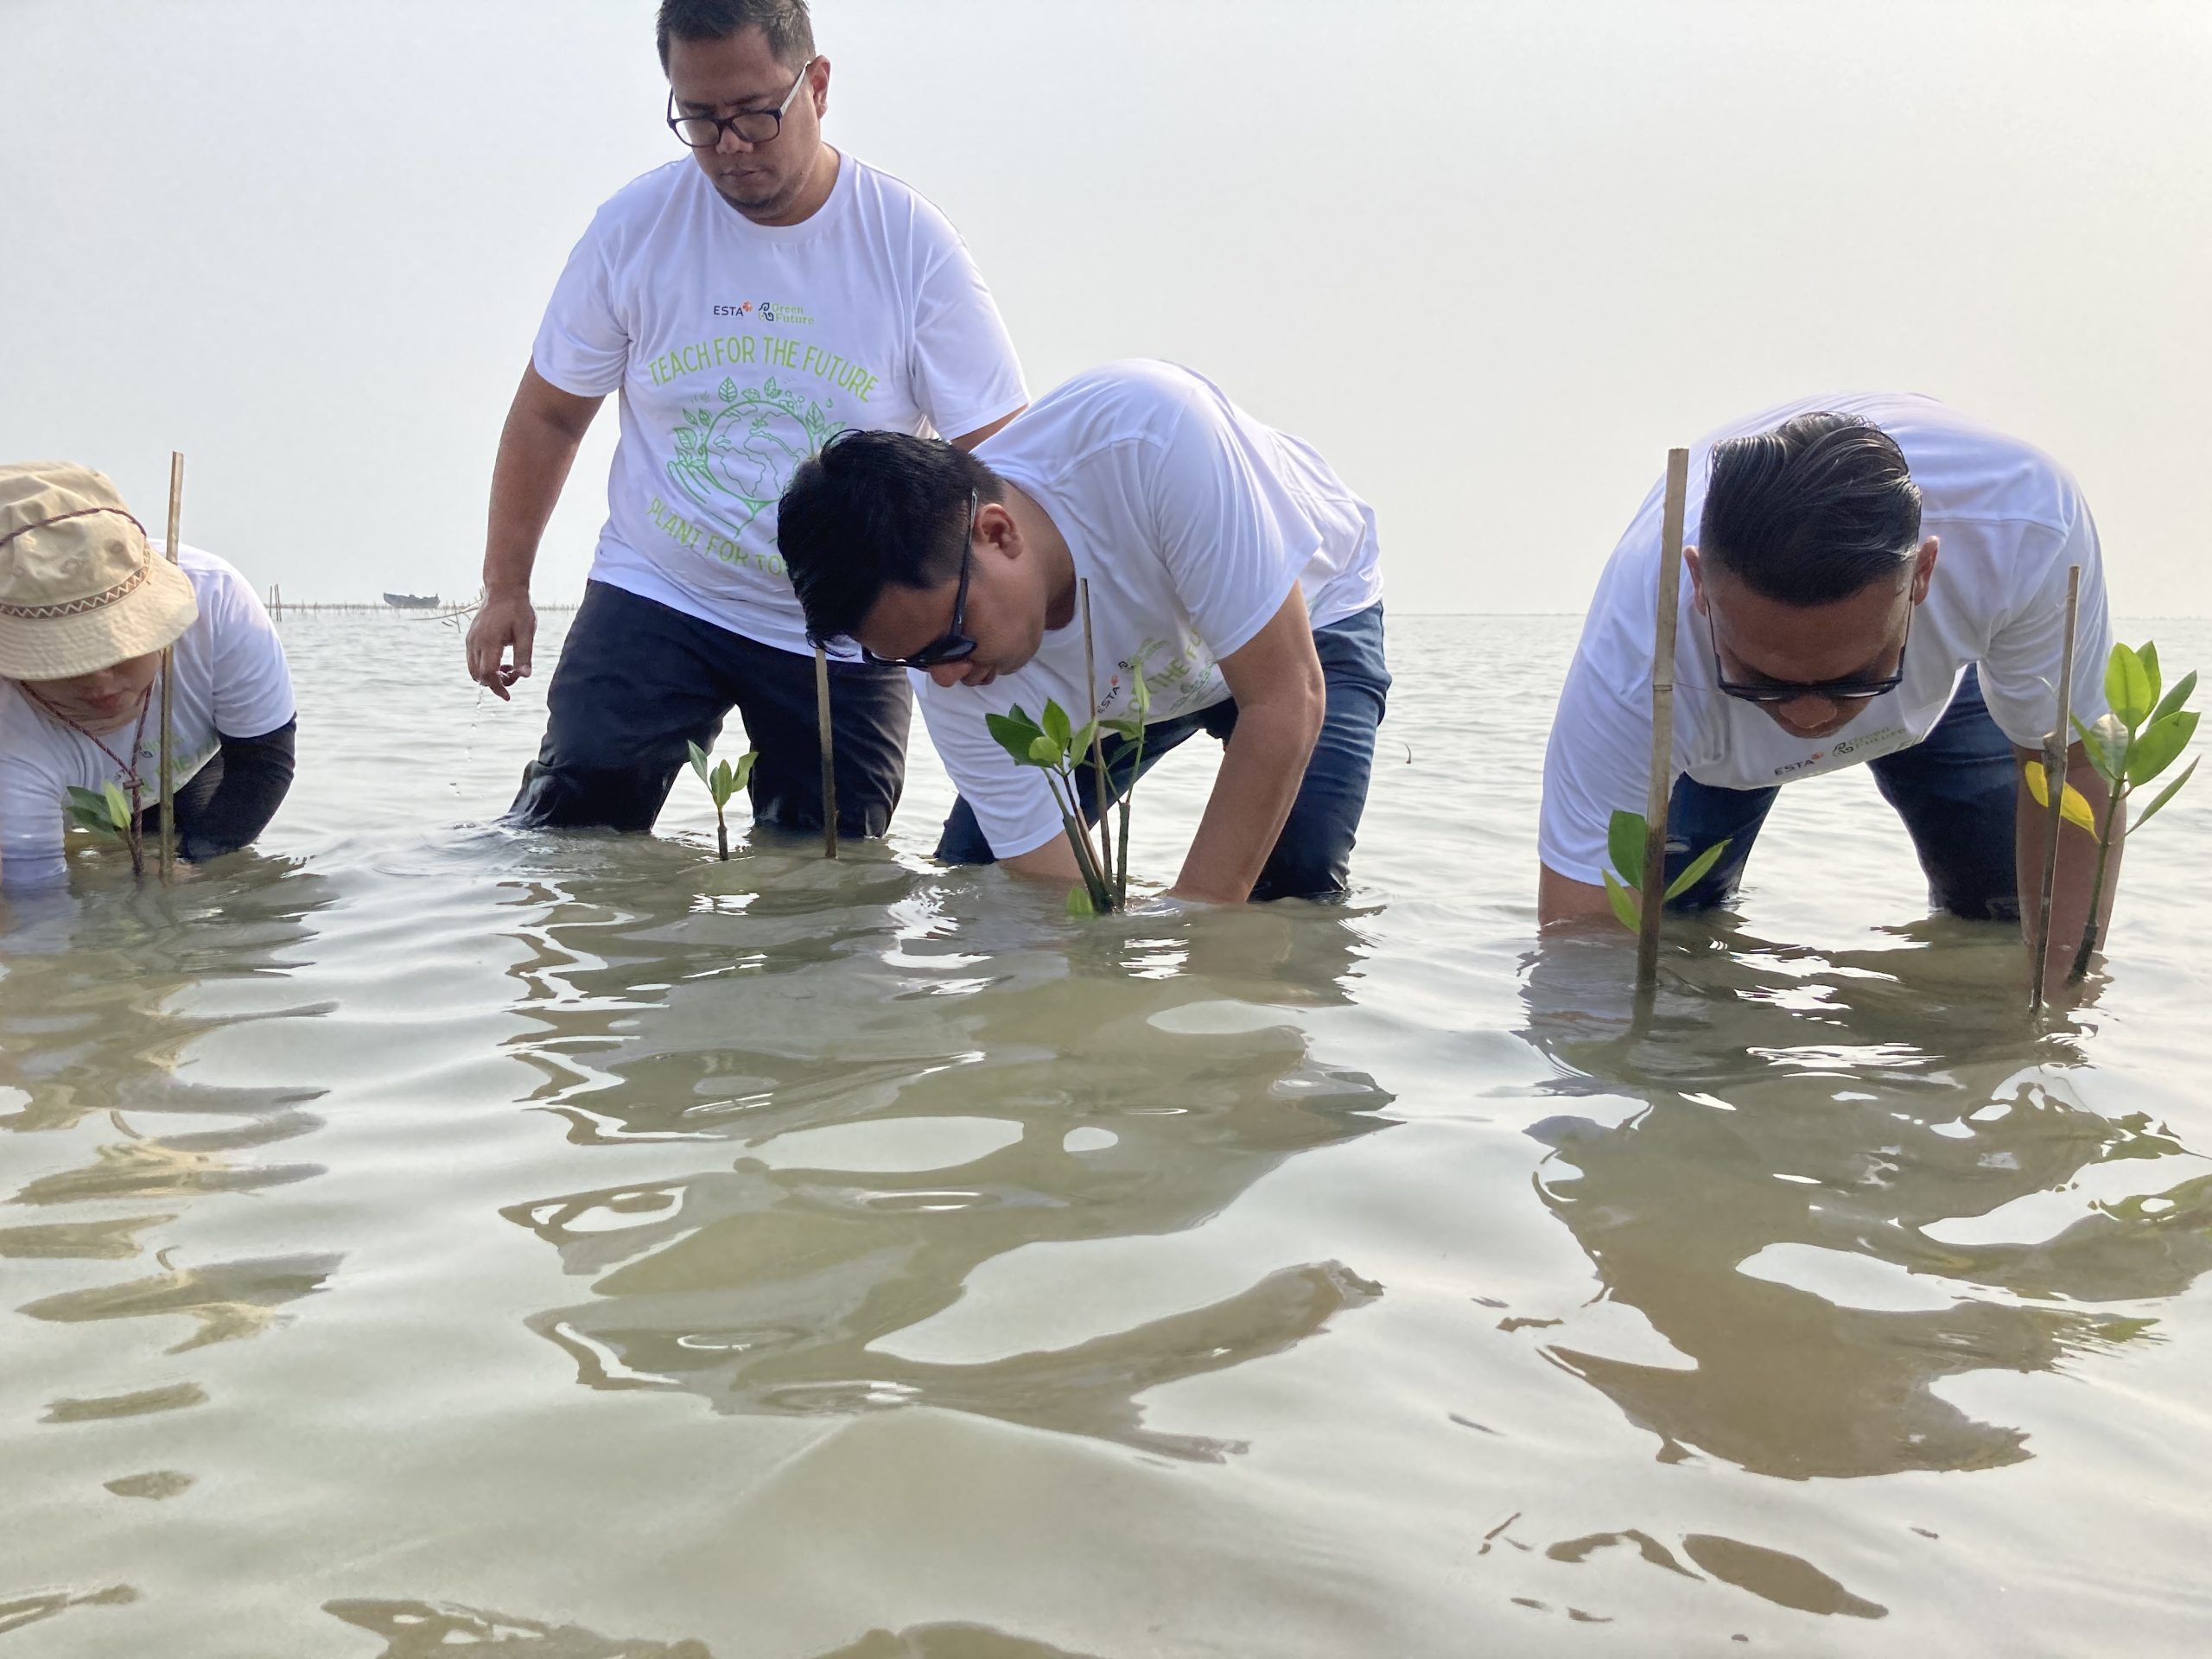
(417, 1238)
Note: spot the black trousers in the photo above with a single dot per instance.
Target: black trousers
(637, 681)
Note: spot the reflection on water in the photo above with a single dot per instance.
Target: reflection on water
(1837, 1310)
(895, 1129)
(1775, 1203)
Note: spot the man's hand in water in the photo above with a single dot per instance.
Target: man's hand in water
(504, 622)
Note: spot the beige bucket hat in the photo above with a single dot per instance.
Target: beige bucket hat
(80, 590)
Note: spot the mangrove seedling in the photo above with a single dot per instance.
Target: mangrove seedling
(2143, 735)
(723, 781)
(1624, 837)
(107, 813)
(1053, 744)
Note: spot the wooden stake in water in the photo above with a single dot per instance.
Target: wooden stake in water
(1097, 743)
(828, 753)
(2054, 748)
(169, 783)
(1663, 723)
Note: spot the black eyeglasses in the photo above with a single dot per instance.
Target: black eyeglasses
(753, 126)
(952, 645)
(1790, 690)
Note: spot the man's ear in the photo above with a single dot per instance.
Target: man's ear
(1697, 579)
(818, 87)
(1924, 570)
(996, 526)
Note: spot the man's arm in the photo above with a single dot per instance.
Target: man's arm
(1562, 901)
(1275, 678)
(545, 426)
(2077, 862)
(969, 440)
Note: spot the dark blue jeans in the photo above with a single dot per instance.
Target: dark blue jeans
(1312, 858)
(1955, 790)
(638, 680)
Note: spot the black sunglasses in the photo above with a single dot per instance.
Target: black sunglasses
(953, 645)
(1790, 690)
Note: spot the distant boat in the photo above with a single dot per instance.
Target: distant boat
(411, 601)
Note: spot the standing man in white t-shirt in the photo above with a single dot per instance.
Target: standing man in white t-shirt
(1226, 562)
(747, 303)
(1876, 579)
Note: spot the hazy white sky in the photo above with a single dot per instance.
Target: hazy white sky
(1491, 259)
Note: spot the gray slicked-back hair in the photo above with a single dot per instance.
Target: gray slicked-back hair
(788, 29)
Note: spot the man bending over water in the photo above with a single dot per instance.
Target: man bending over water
(1227, 563)
(87, 605)
(1876, 579)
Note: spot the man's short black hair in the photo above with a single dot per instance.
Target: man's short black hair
(788, 29)
(1813, 511)
(875, 509)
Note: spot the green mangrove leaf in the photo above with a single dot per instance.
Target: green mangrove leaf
(1623, 903)
(88, 810)
(2106, 749)
(743, 775)
(722, 785)
(2160, 746)
(2149, 654)
(2167, 793)
(1015, 733)
(699, 762)
(118, 805)
(2171, 702)
(1124, 727)
(2127, 687)
(1696, 869)
(1079, 904)
(1624, 834)
(1140, 693)
(1057, 725)
(1044, 751)
(2073, 805)
(1079, 744)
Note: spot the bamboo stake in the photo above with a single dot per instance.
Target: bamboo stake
(2055, 749)
(1098, 742)
(1663, 723)
(169, 784)
(828, 753)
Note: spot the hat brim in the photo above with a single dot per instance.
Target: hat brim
(152, 616)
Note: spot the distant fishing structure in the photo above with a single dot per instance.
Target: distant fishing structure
(414, 608)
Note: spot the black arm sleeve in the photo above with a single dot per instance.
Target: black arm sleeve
(232, 798)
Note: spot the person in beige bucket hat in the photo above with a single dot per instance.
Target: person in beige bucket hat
(87, 605)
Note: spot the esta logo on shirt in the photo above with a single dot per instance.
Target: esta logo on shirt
(780, 311)
(1865, 747)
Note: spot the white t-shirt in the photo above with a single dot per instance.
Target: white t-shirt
(230, 680)
(1192, 522)
(739, 348)
(2008, 521)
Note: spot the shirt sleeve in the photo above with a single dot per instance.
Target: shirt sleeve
(253, 682)
(1232, 535)
(2020, 667)
(30, 825)
(1597, 762)
(966, 373)
(583, 343)
(1013, 805)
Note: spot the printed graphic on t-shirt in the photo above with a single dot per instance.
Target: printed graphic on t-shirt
(1185, 677)
(738, 444)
